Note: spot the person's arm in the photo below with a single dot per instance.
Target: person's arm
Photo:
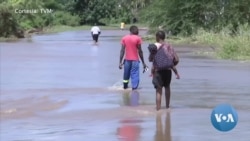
(99, 31)
(122, 52)
(176, 57)
(141, 55)
(140, 52)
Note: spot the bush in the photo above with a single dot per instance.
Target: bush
(8, 22)
(14, 24)
(65, 18)
(26, 25)
(185, 18)
(227, 46)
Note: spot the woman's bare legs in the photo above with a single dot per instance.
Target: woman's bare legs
(167, 96)
(158, 98)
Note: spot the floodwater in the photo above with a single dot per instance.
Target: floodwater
(61, 87)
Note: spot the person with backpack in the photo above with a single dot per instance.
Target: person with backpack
(164, 60)
(153, 49)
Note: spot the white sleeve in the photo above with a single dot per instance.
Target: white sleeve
(158, 45)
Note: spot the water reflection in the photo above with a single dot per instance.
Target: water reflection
(94, 50)
(161, 134)
(129, 130)
(131, 98)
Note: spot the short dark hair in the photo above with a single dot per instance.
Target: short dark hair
(134, 29)
(160, 35)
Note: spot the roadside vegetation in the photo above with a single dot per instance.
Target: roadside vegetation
(66, 14)
(226, 46)
(222, 24)
(223, 44)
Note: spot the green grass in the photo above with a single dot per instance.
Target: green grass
(172, 39)
(56, 29)
(10, 39)
(225, 46)
(61, 28)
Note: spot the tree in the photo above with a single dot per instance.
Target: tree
(134, 6)
(92, 11)
(185, 17)
(12, 23)
(8, 23)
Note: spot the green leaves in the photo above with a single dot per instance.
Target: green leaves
(186, 16)
(12, 23)
(92, 11)
(95, 11)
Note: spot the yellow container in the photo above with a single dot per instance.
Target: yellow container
(122, 25)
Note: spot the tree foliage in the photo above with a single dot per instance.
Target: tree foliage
(91, 11)
(12, 23)
(178, 16)
(186, 16)
(66, 12)
(94, 11)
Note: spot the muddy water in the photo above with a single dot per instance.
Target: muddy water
(60, 87)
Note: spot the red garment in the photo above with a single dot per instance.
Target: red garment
(131, 42)
(129, 133)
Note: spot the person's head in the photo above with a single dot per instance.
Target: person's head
(152, 48)
(134, 30)
(160, 36)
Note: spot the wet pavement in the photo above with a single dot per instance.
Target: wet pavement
(61, 87)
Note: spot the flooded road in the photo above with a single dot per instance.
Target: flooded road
(60, 87)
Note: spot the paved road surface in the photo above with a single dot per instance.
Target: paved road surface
(60, 87)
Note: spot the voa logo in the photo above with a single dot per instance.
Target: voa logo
(224, 117)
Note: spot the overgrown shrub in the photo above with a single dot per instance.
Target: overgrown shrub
(8, 22)
(227, 46)
(12, 23)
(186, 17)
(65, 18)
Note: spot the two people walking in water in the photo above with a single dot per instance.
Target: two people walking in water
(161, 53)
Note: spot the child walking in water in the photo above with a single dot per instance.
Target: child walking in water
(153, 49)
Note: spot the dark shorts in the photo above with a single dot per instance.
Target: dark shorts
(162, 78)
(95, 37)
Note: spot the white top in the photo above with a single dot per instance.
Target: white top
(95, 30)
(158, 45)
